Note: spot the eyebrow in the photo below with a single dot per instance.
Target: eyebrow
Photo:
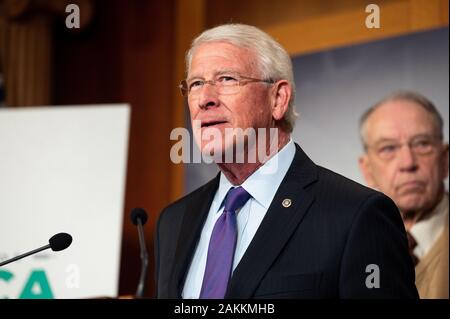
(387, 140)
(220, 72)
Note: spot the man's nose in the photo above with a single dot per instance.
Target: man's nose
(407, 159)
(208, 96)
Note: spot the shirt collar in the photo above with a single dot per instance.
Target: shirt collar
(425, 232)
(264, 182)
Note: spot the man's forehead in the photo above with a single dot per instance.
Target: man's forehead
(220, 56)
(398, 119)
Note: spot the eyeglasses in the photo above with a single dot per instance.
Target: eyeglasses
(224, 84)
(419, 145)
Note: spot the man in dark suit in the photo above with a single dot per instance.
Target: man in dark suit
(275, 225)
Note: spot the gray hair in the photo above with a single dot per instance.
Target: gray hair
(272, 59)
(409, 96)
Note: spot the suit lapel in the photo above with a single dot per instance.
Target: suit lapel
(276, 228)
(193, 219)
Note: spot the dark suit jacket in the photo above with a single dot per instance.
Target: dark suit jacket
(319, 247)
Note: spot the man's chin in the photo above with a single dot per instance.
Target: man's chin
(214, 155)
(219, 153)
(411, 202)
(212, 150)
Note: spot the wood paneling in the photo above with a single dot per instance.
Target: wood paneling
(266, 13)
(26, 52)
(427, 14)
(348, 27)
(303, 26)
(126, 55)
(189, 22)
(148, 85)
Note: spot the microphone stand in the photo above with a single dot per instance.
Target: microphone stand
(144, 260)
(24, 255)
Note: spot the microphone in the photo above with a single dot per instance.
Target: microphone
(57, 242)
(139, 217)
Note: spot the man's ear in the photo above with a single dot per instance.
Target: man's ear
(282, 95)
(366, 170)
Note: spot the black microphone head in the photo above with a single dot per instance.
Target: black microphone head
(138, 213)
(60, 241)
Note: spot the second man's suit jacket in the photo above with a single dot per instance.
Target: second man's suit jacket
(338, 239)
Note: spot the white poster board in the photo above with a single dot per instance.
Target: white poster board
(62, 169)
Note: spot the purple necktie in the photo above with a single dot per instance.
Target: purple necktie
(221, 247)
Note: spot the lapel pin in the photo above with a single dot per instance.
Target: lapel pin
(286, 202)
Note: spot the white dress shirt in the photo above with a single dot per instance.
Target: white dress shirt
(427, 231)
(262, 186)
